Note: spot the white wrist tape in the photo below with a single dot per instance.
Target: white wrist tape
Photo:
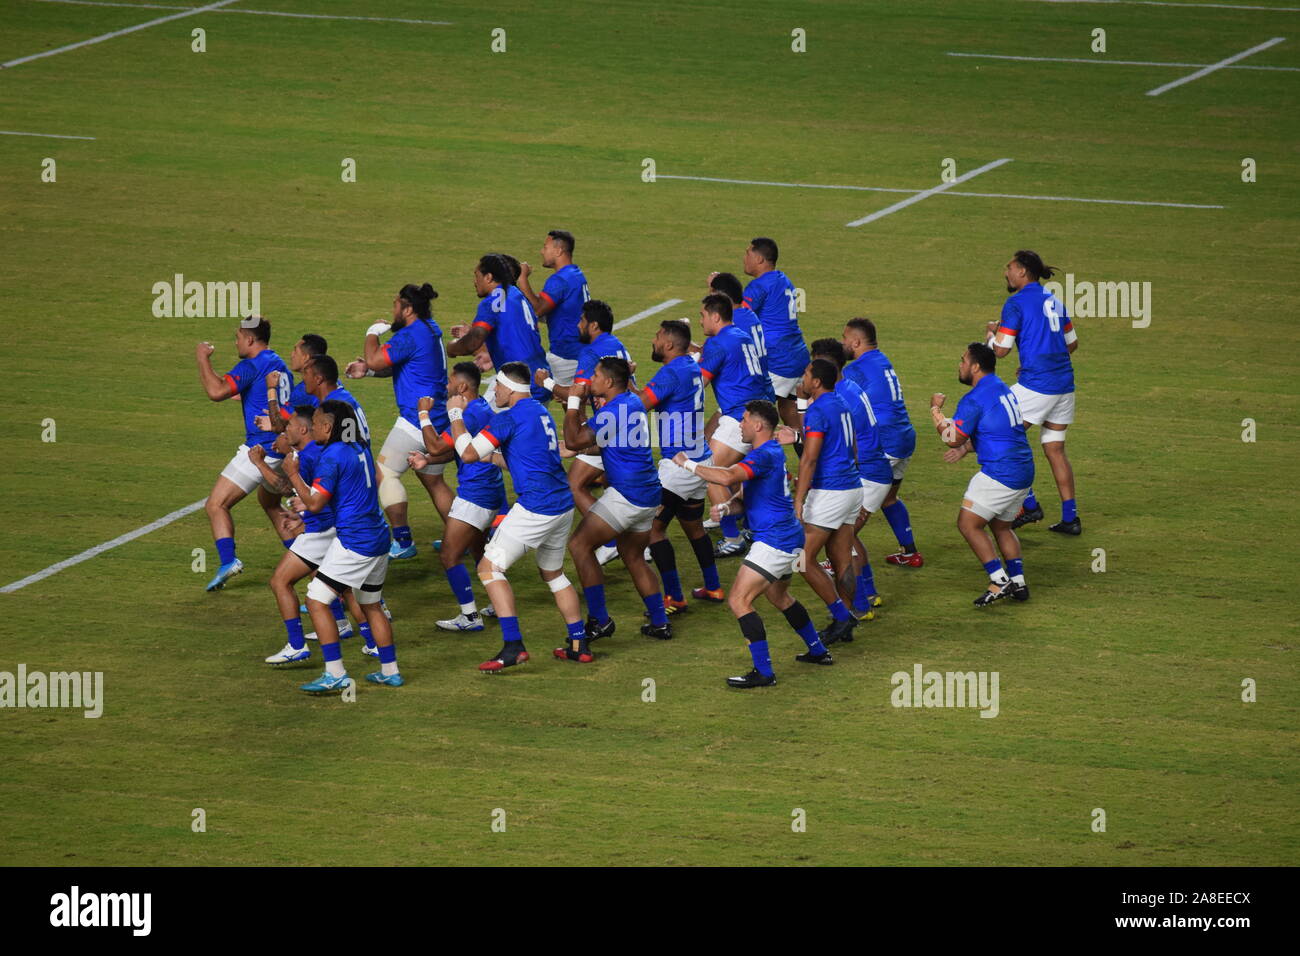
(724, 509)
(370, 373)
(989, 339)
(574, 403)
(549, 384)
(691, 465)
(455, 414)
(801, 404)
(379, 328)
(463, 442)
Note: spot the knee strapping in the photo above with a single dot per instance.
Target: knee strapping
(558, 584)
(391, 490)
(1049, 435)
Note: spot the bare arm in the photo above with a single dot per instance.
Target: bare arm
(541, 307)
(468, 343)
(577, 433)
(311, 499)
(217, 389)
(812, 450)
(948, 432)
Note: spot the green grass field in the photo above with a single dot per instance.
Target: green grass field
(1119, 690)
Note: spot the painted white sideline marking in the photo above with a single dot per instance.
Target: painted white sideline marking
(1169, 3)
(263, 13)
(10, 132)
(927, 193)
(1107, 202)
(1205, 71)
(116, 33)
(106, 546)
(763, 182)
(666, 304)
(1079, 59)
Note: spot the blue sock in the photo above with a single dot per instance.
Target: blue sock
(364, 628)
(809, 634)
(865, 589)
(711, 579)
(672, 585)
(287, 542)
(838, 611)
(612, 543)
(1069, 510)
(898, 518)
(510, 630)
(596, 603)
(403, 535)
(294, 627)
(461, 589)
(388, 655)
(994, 568)
(1031, 502)
(332, 652)
(730, 526)
(336, 607)
(226, 550)
(762, 659)
(1015, 567)
(576, 631)
(655, 605)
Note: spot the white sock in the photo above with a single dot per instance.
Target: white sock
(999, 578)
(470, 609)
(388, 670)
(733, 540)
(1019, 579)
(335, 669)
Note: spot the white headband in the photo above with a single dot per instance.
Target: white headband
(513, 385)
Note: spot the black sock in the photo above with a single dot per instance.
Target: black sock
(751, 625)
(665, 559)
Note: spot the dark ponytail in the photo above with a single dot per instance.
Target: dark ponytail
(419, 298)
(1034, 265)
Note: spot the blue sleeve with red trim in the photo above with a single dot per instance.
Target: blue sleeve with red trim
(967, 416)
(554, 290)
(587, 360)
(486, 316)
(500, 428)
(399, 349)
(327, 471)
(1010, 317)
(242, 375)
(712, 358)
(757, 464)
(663, 386)
(814, 420)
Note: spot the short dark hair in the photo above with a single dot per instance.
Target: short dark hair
(419, 298)
(728, 285)
(326, 367)
(1034, 264)
(865, 327)
(679, 330)
(314, 344)
(830, 349)
(764, 410)
(497, 267)
(766, 248)
(718, 304)
(516, 372)
(261, 331)
(983, 356)
(616, 368)
(469, 372)
(342, 413)
(564, 238)
(598, 311)
(304, 411)
(824, 371)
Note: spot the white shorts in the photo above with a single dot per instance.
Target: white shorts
(831, 507)
(991, 499)
(773, 564)
(1038, 408)
(620, 514)
(728, 432)
(874, 494)
(312, 546)
(562, 369)
(784, 387)
(522, 531)
(684, 484)
(362, 573)
(899, 466)
(472, 514)
(241, 470)
(403, 439)
(594, 460)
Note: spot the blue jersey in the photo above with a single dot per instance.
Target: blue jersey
(419, 368)
(308, 465)
(769, 508)
(872, 463)
(341, 394)
(298, 396)
(837, 465)
(772, 298)
(1037, 320)
(676, 393)
(478, 482)
(601, 346)
(566, 290)
(248, 381)
(511, 330)
(990, 417)
(346, 472)
(876, 376)
(623, 434)
(730, 362)
(744, 319)
(526, 435)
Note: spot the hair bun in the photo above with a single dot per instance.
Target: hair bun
(429, 291)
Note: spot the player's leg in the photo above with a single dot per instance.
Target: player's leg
(552, 543)
(841, 625)
(370, 596)
(392, 464)
(463, 533)
(727, 449)
(631, 547)
(1009, 546)
(440, 492)
(583, 474)
(984, 500)
(357, 610)
(508, 545)
(325, 588)
(900, 522)
(1053, 439)
(865, 597)
(796, 615)
(664, 555)
(283, 522)
(702, 546)
(592, 532)
(230, 488)
(788, 409)
(747, 586)
(287, 573)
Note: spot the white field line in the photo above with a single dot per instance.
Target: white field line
(10, 132)
(262, 13)
(106, 546)
(644, 313)
(1107, 202)
(1079, 59)
(116, 33)
(1205, 71)
(927, 193)
(1171, 3)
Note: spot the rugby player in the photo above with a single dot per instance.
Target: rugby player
(542, 514)
(990, 421)
(559, 304)
(872, 371)
(771, 296)
(307, 347)
(240, 476)
(1037, 324)
(771, 560)
(414, 358)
